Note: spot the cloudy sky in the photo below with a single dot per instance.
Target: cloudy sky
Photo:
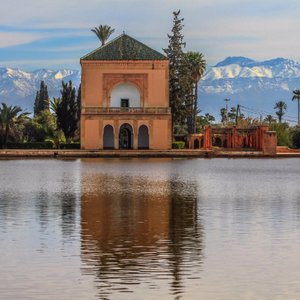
(56, 33)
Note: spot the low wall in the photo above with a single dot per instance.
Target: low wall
(286, 149)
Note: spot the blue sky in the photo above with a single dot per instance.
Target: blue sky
(54, 34)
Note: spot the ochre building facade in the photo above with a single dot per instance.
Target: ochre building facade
(125, 97)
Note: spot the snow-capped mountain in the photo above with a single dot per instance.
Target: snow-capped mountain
(19, 87)
(250, 83)
(245, 81)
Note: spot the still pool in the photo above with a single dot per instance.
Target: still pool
(150, 229)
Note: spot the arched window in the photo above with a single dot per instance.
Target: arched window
(108, 137)
(125, 95)
(143, 137)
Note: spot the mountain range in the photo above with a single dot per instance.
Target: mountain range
(253, 84)
(19, 87)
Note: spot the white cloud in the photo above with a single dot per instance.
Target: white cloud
(8, 39)
(218, 28)
(34, 64)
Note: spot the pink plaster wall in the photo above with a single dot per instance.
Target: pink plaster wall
(92, 140)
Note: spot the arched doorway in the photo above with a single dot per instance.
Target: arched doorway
(126, 137)
(108, 137)
(217, 142)
(225, 143)
(196, 144)
(143, 137)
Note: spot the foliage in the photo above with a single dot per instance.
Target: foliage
(295, 137)
(78, 101)
(10, 117)
(281, 108)
(234, 116)
(67, 111)
(201, 121)
(41, 127)
(269, 119)
(30, 145)
(180, 129)
(223, 115)
(103, 32)
(283, 133)
(180, 79)
(69, 146)
(41, 101)
(296, 96)
(178, 145)
(54, 104)
(197, 65)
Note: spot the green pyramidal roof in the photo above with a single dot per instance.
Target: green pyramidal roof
(124, 47)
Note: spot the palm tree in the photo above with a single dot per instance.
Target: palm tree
(223, 114)
(103, 33)
(269, 119)
(197, 65)
(9, 116)
(281, 107)
(54, 105)
(296, 96)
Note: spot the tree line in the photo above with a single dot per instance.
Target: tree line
(55, 121)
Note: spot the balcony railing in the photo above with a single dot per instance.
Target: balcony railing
(126, 110)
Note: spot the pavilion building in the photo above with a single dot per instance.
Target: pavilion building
(125, 97)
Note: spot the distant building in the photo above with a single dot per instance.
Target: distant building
(125, 97)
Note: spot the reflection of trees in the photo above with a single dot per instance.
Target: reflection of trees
(185, 231)
(61, 204)
(135, 230)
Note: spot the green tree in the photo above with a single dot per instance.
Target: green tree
(269, 119)
(232, 115)
(201, 121)
(197, 66)
(283, 133)
(103, 32)
(223, 115)
(296, 96)
(41, 101)
(67, 111)
(41, 127)
(9, 116)
(78, 101)
(180, 80)
(54, 104)
(281, 108)
(295, 136)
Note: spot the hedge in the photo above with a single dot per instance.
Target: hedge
(178, 145)
(31, 145)
(69, 146)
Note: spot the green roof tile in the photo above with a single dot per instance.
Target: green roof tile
(124, 47)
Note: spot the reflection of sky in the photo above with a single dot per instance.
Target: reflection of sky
(61, 35)
(208, 228)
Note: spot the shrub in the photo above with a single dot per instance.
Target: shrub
(178, 145)
(69, 146)
(31, 145)
(295, 136)
(283, 134)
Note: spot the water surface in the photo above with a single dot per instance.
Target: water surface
(150, 229)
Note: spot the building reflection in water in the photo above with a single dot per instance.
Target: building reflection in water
(140, 231)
